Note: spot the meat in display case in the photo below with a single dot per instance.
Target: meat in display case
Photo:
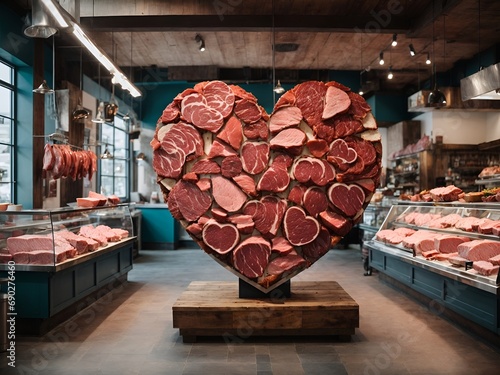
(449, 252)
(61, 236)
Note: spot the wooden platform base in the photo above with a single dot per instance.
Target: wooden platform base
(313, 309)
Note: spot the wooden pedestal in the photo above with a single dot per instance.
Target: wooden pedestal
(314, 308)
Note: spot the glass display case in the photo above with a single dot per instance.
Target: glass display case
(41, 238)
(438, 250)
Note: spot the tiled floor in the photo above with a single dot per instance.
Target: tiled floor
(129, 331)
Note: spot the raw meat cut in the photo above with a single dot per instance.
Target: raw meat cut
(254, 156)
(448, 243)
(281, 245)
(479, 249)
(336, 101)
(317, 147)
(338, 224)
(291, 140)
(220, 149)
(220, 97)
(251, 256)
(347, 198)
(286, 263)
(319, 247)
(246, 183)
(468, 223)
(315, 201)
(340, 154)
(232, 133)
(267, 213)
(29, 242)
(300, 229)
(222, 238)
(445, 194)
(231, 166)
(227, 194)
(495, 260)
(257, 130)
(90, 232)
(188, 202)
(285, 118)
(296, 194)
(275, 179)
(248, 111)
(485, 268)
(457, 260)
(206, 166)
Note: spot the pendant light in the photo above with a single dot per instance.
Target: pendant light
(43, 88)
(100, 109)
(278, 89)
(40, 25)
(80, 113)
(436, 97)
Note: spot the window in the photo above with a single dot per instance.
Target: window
(114, 170)
(7, 88)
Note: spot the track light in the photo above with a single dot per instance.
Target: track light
(361, 92)
(390, 75)
(394, 40)
(381, 61)
(201, 42)
(428, 61)
(412, 50)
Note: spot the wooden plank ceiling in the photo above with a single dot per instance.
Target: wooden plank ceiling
(330, 34)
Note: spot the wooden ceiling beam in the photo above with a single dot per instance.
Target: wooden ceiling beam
(290, 23)
(435, 10)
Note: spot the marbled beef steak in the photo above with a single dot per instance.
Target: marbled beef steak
(267, 195)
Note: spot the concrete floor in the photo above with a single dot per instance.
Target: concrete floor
(129, 331)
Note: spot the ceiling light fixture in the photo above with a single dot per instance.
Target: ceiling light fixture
(436, 97)
(412, 50)
(40, 27)
(43, 88)
(390, 75)
(278, 89)
(381, 58)
(200, 41)
(106, 154)
(394, 40)
(428, 60)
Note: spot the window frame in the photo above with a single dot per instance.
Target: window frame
(11, 142)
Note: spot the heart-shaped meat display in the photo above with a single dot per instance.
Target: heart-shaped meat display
(267, 195)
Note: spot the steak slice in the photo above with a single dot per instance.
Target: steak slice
(347, 198)
(222, 238)
(315, 201)
(317, 147)
(231, 166)
(246, 183)
(299, 228)
(257, 130)
(285, 264)
(28, 243)
(254, 156)
(186, 201)
(319, 247)
(248, 111)
(338, 224)
(336, 101)
(206, 166)
(281, 245)
(232, 133)
(251, 256)
(275, 179)
(291, 140)
(227, 194)
(219, 97)
(283, 118)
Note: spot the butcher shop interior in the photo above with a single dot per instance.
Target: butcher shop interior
(247, 187)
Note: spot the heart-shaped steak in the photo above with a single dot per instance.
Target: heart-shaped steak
(267, 195)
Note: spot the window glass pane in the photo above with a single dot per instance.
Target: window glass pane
(5, 102)
(107, 167)
(120, 186)
(120, 144)
(119, 123)
(5, 128)
(5, 73)
(106, 185)
(5, 174)
(120, 168)
(107, 134)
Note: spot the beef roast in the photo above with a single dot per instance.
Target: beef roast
(479, 249)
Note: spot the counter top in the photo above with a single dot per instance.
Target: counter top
(151, 205)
